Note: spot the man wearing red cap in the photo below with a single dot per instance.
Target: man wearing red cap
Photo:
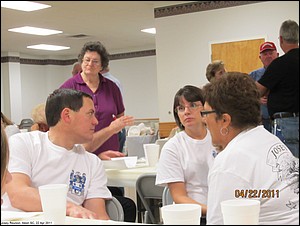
(267, 53)
(281, 82)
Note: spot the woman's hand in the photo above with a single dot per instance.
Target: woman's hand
(107, 155)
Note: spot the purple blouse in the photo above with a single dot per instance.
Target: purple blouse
(107, 101)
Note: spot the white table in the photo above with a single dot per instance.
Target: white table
(127, 177)
(21, 218)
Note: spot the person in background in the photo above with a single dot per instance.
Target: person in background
(39, 118)
(174, 131)
(267, 53)
(9, 127)
(215, 70)
(109, 107)
(76, 68)
(106, 96)
(5, 174)
(57, 156)
(281, 82)
(186, 157)
(253, 163)
(106, 74)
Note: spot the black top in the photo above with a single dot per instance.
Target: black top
(282, 79)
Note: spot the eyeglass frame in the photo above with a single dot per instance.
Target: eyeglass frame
(205, 113)
(93, 62)
(191, 108)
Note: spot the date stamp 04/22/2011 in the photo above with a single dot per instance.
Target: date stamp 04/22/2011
(256, 193)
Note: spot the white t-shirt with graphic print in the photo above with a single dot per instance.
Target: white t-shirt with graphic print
(35, 155)
(258, 165)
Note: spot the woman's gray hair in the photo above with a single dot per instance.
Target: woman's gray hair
(237, 95)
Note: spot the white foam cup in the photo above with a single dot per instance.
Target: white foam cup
(151, 154)
(181, 214)
(54, 202)
(240, 211)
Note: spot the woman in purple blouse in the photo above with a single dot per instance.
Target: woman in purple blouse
(109, 110)
(106, 96)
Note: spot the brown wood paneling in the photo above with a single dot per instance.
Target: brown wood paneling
(242, 56)
(165, 128)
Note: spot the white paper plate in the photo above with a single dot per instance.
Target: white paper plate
(120, 162)
(134, 131)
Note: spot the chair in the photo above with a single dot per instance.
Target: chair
(168, 200)
(26, 124)
(161, 143)
(150, 196)
(134, 144)
(167, 197)
(114, 209)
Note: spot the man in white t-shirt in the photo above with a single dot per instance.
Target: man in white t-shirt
(57, 156)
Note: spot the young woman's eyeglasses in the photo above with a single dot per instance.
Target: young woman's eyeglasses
(205, 113)
(93, 62)
(191, 107)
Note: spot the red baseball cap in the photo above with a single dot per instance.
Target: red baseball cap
(267, 46)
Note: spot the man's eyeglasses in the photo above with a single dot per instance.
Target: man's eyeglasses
(192, 107)
(204, 113)
(93, 62)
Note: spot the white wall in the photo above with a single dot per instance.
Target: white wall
(182, 54)
(139, 81)
(183, 42)
(38, 81)
(137, 75)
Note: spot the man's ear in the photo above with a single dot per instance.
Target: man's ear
(66, 115)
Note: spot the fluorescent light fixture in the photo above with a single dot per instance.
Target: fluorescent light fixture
(149, 30)
(48, 47)
(23, 5)
(34, 30)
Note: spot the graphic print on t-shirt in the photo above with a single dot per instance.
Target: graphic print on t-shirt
(77, 183)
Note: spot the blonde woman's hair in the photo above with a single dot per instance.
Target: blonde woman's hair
(38, 114)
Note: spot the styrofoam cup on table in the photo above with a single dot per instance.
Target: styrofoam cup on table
(181, 214)
(240, 211)
(151, 154)
(54, 202)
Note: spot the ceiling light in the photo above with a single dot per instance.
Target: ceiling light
(23, 5)
(34, 30)
(149, 30)
(48, 47)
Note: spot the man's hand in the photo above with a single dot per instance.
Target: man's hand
(74, 210)
(263, 100)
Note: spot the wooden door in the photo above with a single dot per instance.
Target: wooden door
(242, 56)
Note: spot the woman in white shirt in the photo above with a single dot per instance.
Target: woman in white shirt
(252, 163)
(186, 158)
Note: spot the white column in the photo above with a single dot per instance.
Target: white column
(14, 91)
